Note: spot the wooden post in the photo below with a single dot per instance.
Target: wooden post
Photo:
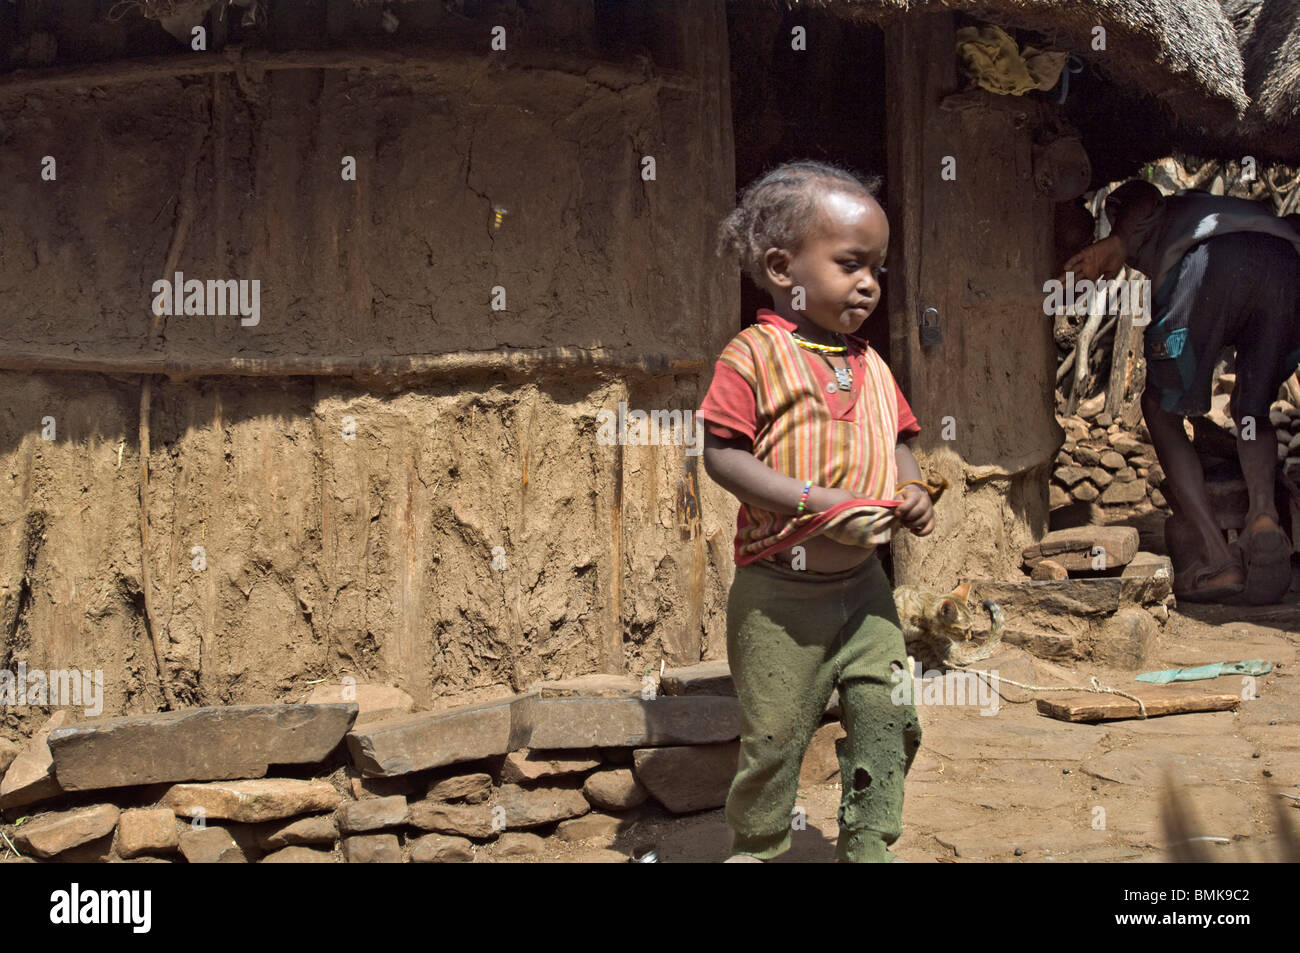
(1121, 364)
(612, 655)
(975, 242)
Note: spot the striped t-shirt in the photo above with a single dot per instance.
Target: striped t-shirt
(801, 424)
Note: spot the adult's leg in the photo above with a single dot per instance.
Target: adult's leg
(1268, 346)
(1187, 485)
(1257, 450)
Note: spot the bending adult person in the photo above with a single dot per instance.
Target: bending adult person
(1226, 271)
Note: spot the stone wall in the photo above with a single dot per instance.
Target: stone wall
(360, 778)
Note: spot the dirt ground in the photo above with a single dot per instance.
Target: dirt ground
(1018, 786)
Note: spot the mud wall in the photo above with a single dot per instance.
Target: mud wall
(303, 528)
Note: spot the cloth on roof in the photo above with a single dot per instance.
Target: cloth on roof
(991, 57)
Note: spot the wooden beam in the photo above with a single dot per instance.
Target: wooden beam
(415, 62)
(394, 368)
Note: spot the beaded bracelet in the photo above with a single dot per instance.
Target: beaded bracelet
(803, 499)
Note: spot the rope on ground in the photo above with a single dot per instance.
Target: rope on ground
(1093, 686)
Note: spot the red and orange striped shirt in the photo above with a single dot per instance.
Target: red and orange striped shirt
(786, 401)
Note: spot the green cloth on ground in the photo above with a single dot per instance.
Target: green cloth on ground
(792, 637)
(1213, 670)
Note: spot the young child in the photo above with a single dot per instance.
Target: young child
(803, 423)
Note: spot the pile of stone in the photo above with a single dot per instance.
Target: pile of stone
(1105, 461)
(1091, 596)
(367, 780)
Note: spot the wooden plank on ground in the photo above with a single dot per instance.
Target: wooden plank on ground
(1158, 699)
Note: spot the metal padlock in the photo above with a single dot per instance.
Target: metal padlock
(930, 331)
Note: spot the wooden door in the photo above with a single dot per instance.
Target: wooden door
(976, 246)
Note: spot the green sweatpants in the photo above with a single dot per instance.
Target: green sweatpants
(791, 638)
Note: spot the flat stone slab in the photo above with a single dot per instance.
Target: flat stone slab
(30, 777)
(1072, 548)
(518, 844)
(372, 849)
(627, 722)
(264, 799)
(211, 845)
(706, 678)
(299, 855)
(197, 744)
(321, 829)
(441, 849)
(469, 788)
(601, 829)
(372, 814)
(529, 765)
(362, 787)
(52, 834)
(532, 808)
(466, 820)
(1037, 601)
(433, 738)
(1149, 564)
(614, 789)
(590, 686)
(147, 831)
(686, 779)
(368, 698)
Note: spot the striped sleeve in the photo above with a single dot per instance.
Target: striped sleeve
(730, 406)
(908, 427)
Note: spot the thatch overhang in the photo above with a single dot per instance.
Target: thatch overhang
(1268, 34)
(1182, 52)
(1171, 73)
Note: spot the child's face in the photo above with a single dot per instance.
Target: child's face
(838, 266)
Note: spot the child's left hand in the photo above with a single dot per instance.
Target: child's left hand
(916, 511)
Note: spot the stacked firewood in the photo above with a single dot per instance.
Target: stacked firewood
(1283, 414)
(1285, 418)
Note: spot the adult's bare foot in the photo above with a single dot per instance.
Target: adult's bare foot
(1266, 552)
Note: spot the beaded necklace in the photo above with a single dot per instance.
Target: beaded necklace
(844, 375)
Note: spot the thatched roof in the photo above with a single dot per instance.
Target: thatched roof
(1268, 33)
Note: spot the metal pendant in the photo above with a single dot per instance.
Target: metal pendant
(845, 377)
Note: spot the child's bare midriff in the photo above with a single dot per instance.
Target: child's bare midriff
(826, 555)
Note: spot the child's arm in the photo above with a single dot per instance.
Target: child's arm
(916, 512)
(732, 465)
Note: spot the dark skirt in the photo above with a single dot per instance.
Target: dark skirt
(1243, 290)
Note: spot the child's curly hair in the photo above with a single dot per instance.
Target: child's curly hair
(776, 210)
